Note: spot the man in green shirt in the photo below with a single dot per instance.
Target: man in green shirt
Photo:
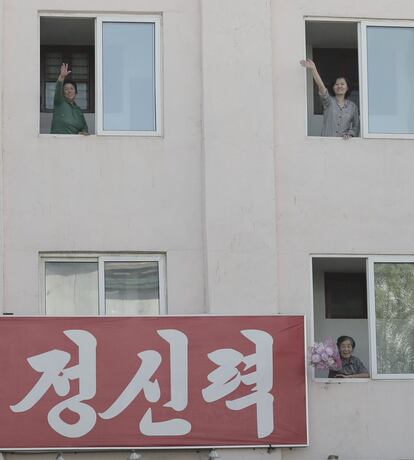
(67, 116)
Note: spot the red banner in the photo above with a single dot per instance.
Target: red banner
(202, 381)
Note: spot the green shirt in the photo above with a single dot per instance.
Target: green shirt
(67, 118)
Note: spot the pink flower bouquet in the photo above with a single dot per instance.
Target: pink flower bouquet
(325, 355)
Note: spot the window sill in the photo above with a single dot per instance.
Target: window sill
(102, 136)
(395, 137)
(65, 135)
(327, 138)
(339, 381)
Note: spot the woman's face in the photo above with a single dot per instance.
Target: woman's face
(69, 92)
(345, 349)
(340, 87)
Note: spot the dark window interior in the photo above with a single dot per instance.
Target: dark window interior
(81, 63)
(345, 295)
(333, 62)
(70, 40)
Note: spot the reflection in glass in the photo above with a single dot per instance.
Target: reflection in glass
(394, 312)
(390, 89)
(131, 288)
(128, 76)
(71, 288)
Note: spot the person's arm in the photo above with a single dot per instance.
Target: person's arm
(309, 64)
(354, 130)
(361, 372)
(64, 72)
(84, 129)
(362, 375)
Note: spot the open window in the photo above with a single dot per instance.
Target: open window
(376, 57)
(372, 300)
(69, 40)
(333, 46)
(340, 303)
(115, 62)
(79, 284)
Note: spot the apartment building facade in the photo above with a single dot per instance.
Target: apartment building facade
(217, 195)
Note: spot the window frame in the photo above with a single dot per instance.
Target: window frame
(362, 49)
(371, 260)
(312, 321)
(155, 18)
(322, 19)
(362, 25)
(99, 20)
(100, 260)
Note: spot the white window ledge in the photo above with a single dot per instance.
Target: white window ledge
(340, 381)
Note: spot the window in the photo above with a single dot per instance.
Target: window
(333, 46)
(389, 345)
(127, 76)
(102, 285)
(392, 316)
(128, 65)
(339, 302)
(81, 61)
(376, 56)
(69, 40)
(387, 60)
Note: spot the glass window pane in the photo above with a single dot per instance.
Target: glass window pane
(131, 288)
(53, 62)
(128, 76)
(390, 90)
(82, 96)
(71, 288)
(394, 313)
(50, 94)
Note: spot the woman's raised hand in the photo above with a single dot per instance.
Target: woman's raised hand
(64, 72)
(308, 63)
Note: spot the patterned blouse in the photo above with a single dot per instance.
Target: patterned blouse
(350, 366)
(338, 120)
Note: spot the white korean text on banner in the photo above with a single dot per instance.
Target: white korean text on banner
(100, 382)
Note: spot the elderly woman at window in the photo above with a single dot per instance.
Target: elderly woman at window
(352, 367)
(340, 115)
(67, 116)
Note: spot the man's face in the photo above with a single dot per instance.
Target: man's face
(69, 92)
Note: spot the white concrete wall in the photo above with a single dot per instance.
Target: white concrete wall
(238, 156)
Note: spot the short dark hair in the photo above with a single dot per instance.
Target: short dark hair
(72, 83)
(330, 88)
(342, 338)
